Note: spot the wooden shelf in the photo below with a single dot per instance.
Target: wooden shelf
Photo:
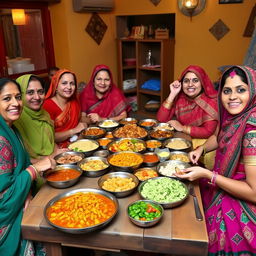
(150, 92)
(150, 69)
(133, 90)
(129, 67)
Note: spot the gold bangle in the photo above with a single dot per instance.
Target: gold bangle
(187, 129)
(167, 104)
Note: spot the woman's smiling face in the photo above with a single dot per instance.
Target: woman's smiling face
(235, 95)
(191, 85)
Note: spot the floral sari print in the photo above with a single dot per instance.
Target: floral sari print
(231, 222)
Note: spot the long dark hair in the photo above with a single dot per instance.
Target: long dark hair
(4, 81)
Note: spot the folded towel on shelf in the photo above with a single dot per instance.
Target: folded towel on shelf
(152, 84)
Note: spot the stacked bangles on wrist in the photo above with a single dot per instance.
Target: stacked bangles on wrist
(167, 104)
(213, 179)
(34, 172)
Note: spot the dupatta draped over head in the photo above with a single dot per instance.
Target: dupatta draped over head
(231, 134)
(36, 127)
(15, 184)
(200, 109)
(70, 116)
(113, 102)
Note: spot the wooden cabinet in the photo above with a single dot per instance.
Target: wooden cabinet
(132, 55)
(162, 69)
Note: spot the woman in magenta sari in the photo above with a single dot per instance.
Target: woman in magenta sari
(101, 99)
(229, 191)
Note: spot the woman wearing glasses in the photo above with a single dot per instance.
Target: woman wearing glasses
(191, 106)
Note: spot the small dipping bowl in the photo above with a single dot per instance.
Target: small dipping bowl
(69, 157)
(150, 159)
(109, 125)
(139, 208)
(153, 144)
(93, 171)
(128, 120)
(118, 187)
(145, 173)
(104, 142)
(65, 181)
(148, 123)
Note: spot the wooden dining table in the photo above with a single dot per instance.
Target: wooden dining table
(178, 233)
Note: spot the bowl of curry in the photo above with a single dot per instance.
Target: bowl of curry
(63, 176)
(75, 211)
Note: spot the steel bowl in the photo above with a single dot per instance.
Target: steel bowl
(94, 173)
(127, 168)
(157, 189)
(87, 229)
(128, 120)
(131, 141)
(109, 135)
(164, 126)
(188, 148)
(170, 167)
(151, 123)
(101, 153)
(102, 140)
(180, 155)
(161, 134)
(129, 135)
(101, 134)
(153, 148)
(144, 223)
(64, 183)
(151, 164)
(109, 125)
(69, 157)
(82, 146)
(145, 176)
(122, 175)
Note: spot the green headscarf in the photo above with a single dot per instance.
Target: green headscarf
(36, 127)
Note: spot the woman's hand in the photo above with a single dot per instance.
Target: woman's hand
(94, 117)
(194, 173)
(195, 154)
(176, 125)
(81, 126)
(175, 88)
(45, 164)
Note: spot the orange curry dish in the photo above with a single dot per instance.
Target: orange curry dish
(63, 175)
(81, 210)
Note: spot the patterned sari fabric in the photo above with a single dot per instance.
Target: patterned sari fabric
(67, 118)
(113, 103)
(195, 112)
(15, 184)
(231, 222)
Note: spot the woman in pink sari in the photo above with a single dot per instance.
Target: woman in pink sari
(101, 99)
(229, 191)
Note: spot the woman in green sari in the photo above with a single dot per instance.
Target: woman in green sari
(16, 172)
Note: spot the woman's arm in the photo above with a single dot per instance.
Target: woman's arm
(205, 130)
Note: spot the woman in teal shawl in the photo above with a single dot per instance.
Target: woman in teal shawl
(16, 172)
(35, 125)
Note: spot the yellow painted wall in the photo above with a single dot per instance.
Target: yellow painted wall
(76, 50)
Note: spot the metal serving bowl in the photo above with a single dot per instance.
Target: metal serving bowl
(161, 134)
(153, 148)
(101, 134)
(150, 123)
(87, 229)
(69, 157)
(101, 153)
(128, 120)
(111, 146)
(128, 168)
(156, 186)
(80, 145)
(170, 167)
(177, 141)
(94, 173)
(150, 164)
(164, 126)
(109, 135)
(109, 125)
(64, 183)
(145, 170)
(104, 140)
(122, 175)
(145, 223)
(129, 134)
(180, 155)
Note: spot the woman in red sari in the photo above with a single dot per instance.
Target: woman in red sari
(101, 99)
(63, 106)
(192, 102)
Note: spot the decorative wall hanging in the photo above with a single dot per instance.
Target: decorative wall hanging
(219, 29)
(251, 23)
(155, 2)
(230, 1)
(96, 28)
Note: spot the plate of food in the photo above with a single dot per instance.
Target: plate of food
(127, 144)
